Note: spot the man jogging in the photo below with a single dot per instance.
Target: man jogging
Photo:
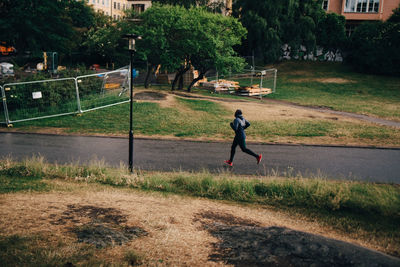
(239, 124)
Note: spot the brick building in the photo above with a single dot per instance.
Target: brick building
(357, 11)
(115, 8)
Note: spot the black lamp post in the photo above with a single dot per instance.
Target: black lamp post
(131, 39)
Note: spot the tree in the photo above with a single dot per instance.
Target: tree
(374, 47)
(216, 37)
(187, 3)
(177, 39)
(33, 25)
(80, 14)
(331, 33)
(104, 42)
(273, 23)
(395, 17)
(163, 31)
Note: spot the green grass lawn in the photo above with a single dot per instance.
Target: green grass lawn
(302, 83)
(206, 119)
(299, 82)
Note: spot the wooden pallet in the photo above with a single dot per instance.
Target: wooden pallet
(253, 90)
(112, 85)
(220, 85)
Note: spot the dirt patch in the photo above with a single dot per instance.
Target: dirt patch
(103, 236)
(77, 213)
(150, 95)
(101, 227)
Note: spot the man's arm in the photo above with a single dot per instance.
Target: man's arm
(247, 124)
(234, 125)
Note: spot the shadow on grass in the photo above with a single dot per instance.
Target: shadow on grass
(246, 243)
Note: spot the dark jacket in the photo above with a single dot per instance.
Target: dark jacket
(238, 125)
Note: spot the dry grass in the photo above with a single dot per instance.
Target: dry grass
(175, 237)
(274, 112)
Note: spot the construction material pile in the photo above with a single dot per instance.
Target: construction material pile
(219, 86)
(253, 90)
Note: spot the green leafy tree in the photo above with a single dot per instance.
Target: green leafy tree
(395, 17)
(216, 36)
(331, 33)
(177, 38)
(33, 25)
(80, 14)
(273, 23)
(184, 3)
(374, 47)
(104, 42)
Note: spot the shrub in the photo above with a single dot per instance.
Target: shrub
(374, 47)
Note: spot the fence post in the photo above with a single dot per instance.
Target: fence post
(3, 96)
(275, 75)
(78, 100)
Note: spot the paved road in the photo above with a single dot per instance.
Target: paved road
(380, 165)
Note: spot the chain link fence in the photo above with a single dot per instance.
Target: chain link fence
(24, 101)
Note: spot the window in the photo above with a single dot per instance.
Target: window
(350, 29)
(362, 6)
(119, 6)
(115, 5)
(325, 5)
(139, 8)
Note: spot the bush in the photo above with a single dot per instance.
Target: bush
(374, 47)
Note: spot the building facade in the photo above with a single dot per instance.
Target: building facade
(116, 8)
(357, 11)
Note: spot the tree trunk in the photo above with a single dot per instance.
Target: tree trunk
(178, 75)
(201, 76)
(147, 80)
(180, 85)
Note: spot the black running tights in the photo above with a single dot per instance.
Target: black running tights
(242, 144)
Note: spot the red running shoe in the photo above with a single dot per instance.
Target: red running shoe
(228, 162)
(259, 158)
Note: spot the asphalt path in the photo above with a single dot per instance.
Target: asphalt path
(368, 164)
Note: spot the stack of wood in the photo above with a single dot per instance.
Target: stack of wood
(112, 85)
(253, 90)
(220, 85)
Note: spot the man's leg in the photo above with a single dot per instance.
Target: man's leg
(242, 144)
(233, 149)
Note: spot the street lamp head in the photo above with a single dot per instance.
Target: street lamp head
(131, 40)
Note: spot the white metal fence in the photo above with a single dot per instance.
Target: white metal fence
(33, 100)
(257, 81)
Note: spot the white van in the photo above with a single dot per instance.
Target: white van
(6, 69)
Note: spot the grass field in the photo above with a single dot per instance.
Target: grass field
(43, 202)
(209, 120)
(335, 86)
(315, 84)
